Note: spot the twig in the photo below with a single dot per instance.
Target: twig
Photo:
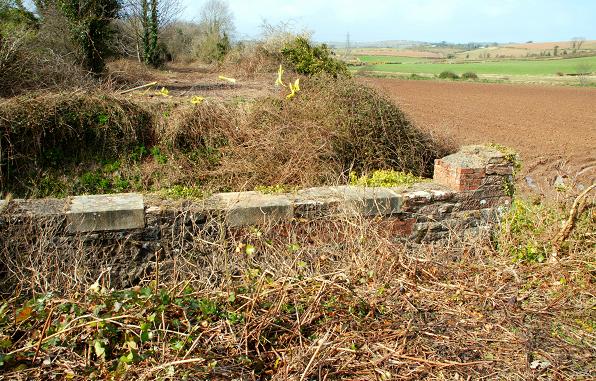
(444, 364)
(138, 88)
(177, 362)
(312, 359)
(46, 325)
(576, 210)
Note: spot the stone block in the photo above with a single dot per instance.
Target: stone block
(316, 202)
(252, 208)
(325, 201)
(399, 227)
(369, 201)
(106, 213)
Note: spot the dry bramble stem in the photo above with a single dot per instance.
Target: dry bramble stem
(576, 210)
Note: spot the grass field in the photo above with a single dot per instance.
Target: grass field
(504, 67)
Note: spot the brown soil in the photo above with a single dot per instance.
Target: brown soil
(552, 128)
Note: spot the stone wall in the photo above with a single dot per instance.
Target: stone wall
(468, 192)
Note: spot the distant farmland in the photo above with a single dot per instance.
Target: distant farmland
(391, 59)
(501, 67)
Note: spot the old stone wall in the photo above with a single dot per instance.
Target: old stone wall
(468, 192)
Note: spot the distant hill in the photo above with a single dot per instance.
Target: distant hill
(532, 49)
(393, 44)
(470, 50)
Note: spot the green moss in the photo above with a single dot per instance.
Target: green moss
(510, 155)
(385, 178)
(272, 189)
(181, 191)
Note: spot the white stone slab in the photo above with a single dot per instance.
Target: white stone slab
(106, 213)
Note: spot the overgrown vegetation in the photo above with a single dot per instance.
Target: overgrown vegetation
(448, 75)
(469, 75)
(385, 178)
(45, 137)
(307, 59)
(307, 299)
(59, 144)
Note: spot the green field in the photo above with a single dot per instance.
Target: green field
(504, 67)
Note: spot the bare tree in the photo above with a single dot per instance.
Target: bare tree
(143, 22)
(577, 42)
(217, 18)
(217, 27)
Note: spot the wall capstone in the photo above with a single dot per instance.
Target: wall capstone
(106, 213)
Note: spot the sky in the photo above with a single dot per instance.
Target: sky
(418, 20)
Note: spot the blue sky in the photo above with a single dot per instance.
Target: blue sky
(422, 20)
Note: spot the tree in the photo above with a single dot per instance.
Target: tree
(217, 26)
(577, 42)
(143, 24)
(217, 18)
(89, 22)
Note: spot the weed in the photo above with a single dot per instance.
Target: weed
(272, 189)
(184, 192)
(521, 236)
(158, 155)
(138, 153)
(385, 178)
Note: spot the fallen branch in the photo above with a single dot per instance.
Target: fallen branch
(576, 210)
(138, 88)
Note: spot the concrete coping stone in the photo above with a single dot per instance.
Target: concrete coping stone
(251, 208)
(111, 212)
(475, 156)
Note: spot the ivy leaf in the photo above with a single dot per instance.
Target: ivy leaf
(24, 314)
(3, 308)
(128, 359)
(100, 350)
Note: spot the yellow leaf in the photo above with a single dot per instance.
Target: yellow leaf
(280, 73)
(197, 100)
(231, 80)
(163, 92)
(250, 249)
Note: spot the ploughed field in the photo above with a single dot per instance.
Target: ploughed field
(552, 128)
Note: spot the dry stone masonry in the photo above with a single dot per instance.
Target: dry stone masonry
(469, 191)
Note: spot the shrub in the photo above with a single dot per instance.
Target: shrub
(330, 128)
(448, 75)
(469, 75)
(333, 127)
(309, 60)
(90, 29)
(52, 130)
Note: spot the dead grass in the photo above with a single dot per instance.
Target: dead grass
(57, 130)
(325, 299)
(69, 143)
